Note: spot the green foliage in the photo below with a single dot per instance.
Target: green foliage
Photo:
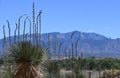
(7, 72)
(23, 59)
(80, 75)
(53, 68)
(25, 51)
(91, 63)
(1, 61)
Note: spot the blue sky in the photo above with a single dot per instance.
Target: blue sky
(100, 16)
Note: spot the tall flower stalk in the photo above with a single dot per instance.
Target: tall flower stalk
(49, 46)
(19, 19)
(4, 44)
(9, 31)
(59, 50)
(33, 21)
(76, 45)
(72, 47)
(15, 33)
(39, 36)
(72, 43)
(55, 46)
(27, 18)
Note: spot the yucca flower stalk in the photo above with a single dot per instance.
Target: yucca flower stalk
(9, 31)
(72, 46)
(29, 21)
(24, 29)
(55, 46)
(39, 41)
(72, 43)
(26, 59)
(65, 51)
(49, 45)
(33, 21)
(4, 43)
(19, 20)
(60, 45)
(15, 33)
(76, 45)
(38, 28)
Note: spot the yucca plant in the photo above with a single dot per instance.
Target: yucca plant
(26, 59)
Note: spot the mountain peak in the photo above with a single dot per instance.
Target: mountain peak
(86, 35)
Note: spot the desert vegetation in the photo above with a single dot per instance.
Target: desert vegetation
(27, 56)
(104, 67)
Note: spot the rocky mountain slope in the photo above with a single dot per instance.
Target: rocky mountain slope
(89, 44)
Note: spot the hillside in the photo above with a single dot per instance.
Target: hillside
(89, 44)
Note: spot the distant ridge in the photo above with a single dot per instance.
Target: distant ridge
(89, 44)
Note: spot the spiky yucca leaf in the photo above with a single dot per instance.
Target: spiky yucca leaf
(27, 52)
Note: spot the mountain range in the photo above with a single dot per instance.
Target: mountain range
(89, 44)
